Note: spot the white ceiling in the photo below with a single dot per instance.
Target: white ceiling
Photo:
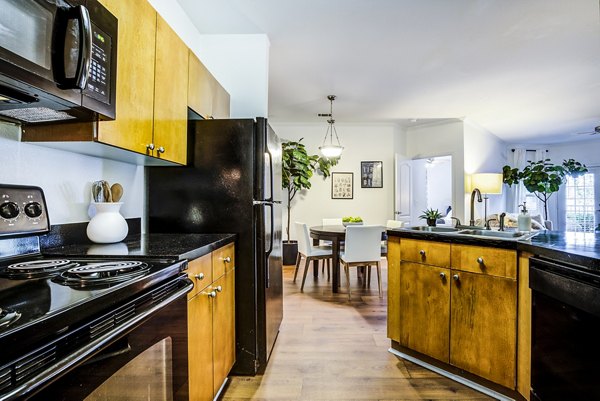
(526, 70)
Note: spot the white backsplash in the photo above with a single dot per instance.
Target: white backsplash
(66, 177)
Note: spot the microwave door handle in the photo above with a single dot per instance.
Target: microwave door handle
(79, 81)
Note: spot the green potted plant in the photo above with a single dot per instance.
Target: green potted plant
(543, 178)
(298, 168)
(431, 216)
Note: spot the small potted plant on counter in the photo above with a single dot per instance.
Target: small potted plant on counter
(431, 216)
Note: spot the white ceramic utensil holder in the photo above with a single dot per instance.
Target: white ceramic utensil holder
(108, 225)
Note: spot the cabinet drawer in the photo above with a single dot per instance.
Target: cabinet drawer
(428, 252)
(485, 260)
(200, 272)
(223, 260)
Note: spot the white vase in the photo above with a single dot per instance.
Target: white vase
(108, 225)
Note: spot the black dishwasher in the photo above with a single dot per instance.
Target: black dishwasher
(565, 363)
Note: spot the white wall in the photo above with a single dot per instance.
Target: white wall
(441, 139)
(361, 143)
(66, 177)
(484, 153)
(239, 62)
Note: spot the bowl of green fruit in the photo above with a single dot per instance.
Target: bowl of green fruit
(352, 221)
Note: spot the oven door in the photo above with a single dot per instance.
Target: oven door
(149, 363)
(45, 46)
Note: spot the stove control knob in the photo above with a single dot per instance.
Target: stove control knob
(9, 210)
(33, 210)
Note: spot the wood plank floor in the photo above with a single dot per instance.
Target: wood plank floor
(332, 349)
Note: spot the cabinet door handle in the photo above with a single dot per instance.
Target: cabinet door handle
(150, 146)
(161, 150)
(422, 252)
(443, 276)
(212, 294)
(219, 288)
(227, 259)
(455, 277)
(480, 260)
(199, 276)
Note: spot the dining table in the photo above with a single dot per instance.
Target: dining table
(337, 235)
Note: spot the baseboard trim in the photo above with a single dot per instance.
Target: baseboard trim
(452, 376)
(221, 389)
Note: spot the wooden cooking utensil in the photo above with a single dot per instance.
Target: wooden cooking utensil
(107, 194)
(117, 191)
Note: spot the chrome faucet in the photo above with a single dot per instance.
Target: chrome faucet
(457, 221)
(502, 216)
(475, 191)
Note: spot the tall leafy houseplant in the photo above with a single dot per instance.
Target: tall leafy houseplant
(298, 169)
(543, 178)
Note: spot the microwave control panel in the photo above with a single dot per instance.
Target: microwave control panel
(98, 84)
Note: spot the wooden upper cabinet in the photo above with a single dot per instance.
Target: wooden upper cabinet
(132, 128)
(221, 102)
(170, 94)
(199, 87)
(206, 96)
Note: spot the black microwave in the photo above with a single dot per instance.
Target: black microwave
(58, 61)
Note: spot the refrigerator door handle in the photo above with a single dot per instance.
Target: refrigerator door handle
(268, 252)
(268, 152)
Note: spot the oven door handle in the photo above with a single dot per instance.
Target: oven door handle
(65, 364)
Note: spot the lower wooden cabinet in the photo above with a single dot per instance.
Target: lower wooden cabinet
(211, 334)
(483, 326)
(223, 328)
(462, 313)
(200, 345)
(425, 303)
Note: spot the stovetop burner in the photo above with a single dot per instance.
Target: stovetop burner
(7, 317)
(101, 273)
(38, 268)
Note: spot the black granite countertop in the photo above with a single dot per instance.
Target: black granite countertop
(581, 249)
(172, 246)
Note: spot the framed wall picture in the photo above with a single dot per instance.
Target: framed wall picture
(371, 174)
(342, 185)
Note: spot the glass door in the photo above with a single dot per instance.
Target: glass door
(26, 39)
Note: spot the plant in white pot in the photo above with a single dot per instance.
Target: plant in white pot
(298, 168)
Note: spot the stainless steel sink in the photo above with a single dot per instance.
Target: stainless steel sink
(497, 234)
(432, 229)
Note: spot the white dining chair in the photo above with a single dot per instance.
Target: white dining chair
(310, 252)
(329, 222)
(363, 248)
(394, 224)
(332, 222)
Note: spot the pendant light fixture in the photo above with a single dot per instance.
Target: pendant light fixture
(330, 150)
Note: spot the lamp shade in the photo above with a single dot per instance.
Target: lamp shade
(487, 183)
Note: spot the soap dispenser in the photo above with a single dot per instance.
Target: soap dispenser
(524, 219)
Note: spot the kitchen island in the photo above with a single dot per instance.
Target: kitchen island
(461, 304)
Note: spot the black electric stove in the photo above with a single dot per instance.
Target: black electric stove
(69, 302)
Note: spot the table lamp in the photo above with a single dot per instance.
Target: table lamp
(488, 184)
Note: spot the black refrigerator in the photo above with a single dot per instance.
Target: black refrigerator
(232, 185)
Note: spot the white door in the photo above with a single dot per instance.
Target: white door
(402, 191)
